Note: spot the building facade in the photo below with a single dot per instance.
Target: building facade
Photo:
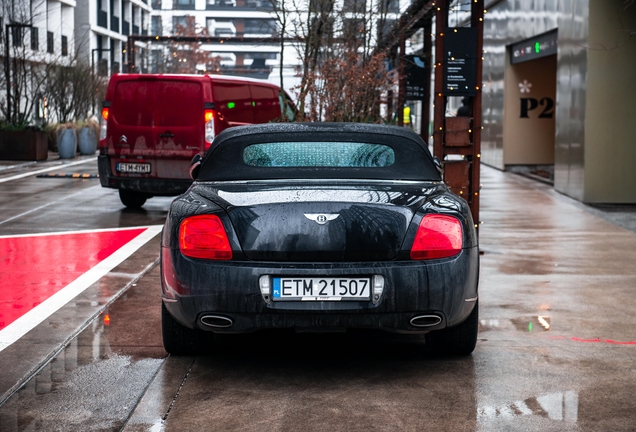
(559, 93)
(102, 30)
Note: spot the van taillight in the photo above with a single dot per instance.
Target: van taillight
(103, 122)
(204, 236)
(209, 127)
(438, 236)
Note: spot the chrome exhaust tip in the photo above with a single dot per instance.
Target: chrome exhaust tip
(216, 321)
(425, 320)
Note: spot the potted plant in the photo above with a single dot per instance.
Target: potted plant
(22, 142)
(87, 133)
(67, 140)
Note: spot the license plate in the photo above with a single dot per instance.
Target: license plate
(321, 289)
(138, 168)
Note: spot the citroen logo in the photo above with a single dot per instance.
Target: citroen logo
(321, 218)
(123, 139)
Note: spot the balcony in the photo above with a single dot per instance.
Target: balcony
(125, 28)
(102, 19)
(114, 23)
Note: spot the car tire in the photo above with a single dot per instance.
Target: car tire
(459, 340)
(132, 199)
(181, 340)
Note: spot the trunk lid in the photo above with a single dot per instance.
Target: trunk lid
(327, 224)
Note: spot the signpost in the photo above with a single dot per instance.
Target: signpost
(460, 61)
(416, 77)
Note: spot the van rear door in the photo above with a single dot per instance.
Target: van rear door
(179, 126)
(157, 122)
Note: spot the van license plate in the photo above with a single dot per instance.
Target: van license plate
(138, 168)
(321, 289)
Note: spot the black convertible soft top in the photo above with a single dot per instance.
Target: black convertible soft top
(224, 161)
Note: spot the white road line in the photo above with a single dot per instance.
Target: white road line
(88, 231)
(41, 312)
(32, 173)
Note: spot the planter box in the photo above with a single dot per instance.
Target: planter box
(23, 145)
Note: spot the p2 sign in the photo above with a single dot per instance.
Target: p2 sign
(544, 107)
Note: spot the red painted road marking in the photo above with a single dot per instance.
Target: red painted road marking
(33, 268)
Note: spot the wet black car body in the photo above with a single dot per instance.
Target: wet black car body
(319, 227)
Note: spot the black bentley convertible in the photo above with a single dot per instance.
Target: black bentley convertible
(321, 227)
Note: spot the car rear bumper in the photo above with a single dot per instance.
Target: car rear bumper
(150, 186)
(229, 293)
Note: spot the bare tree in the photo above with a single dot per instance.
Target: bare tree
(184, 57)
(341, 77)
(72, 91)
(24, 71)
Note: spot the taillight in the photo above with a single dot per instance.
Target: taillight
(209, 127)
(438, 236)
(204, 237)
(103, 123)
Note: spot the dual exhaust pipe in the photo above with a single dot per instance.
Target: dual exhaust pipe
(220, 321)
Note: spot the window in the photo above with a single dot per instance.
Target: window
(390, 6)
(353, 29)
(64, 46)
(259, 26)
(50, 47)
(156, 27)
(16, 36)
(183, 4)
(156, 4)
(35, 35)
(262, 5)
(261, 55)
(219, 4)
(384, 27)
(319, 154)
(181, 24)
(356, 6)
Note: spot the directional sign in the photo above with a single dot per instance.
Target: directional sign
(460, 61)
(416, 77)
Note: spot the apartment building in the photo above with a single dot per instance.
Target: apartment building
(102, 29)
(223, 18)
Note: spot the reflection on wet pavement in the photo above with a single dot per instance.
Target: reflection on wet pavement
(100, 375)
(554, 406)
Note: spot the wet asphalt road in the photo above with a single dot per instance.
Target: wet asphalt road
(556, 351)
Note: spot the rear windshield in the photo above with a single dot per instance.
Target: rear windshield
(157, 103)
(325, 154)
(319, 154)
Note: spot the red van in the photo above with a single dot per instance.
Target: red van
(153, 125)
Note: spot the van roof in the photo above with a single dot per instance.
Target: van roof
(195, 77)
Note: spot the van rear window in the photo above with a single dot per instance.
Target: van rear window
(158, 103)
